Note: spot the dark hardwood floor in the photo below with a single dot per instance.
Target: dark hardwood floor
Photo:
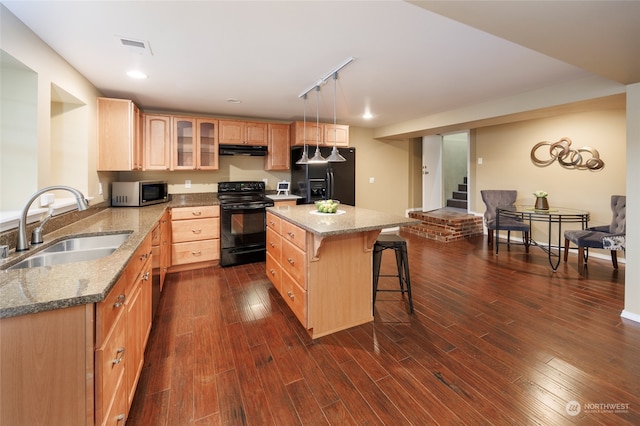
(494, 340)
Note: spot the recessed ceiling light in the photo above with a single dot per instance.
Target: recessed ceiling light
(234, 101)
(367, 116)
(136, 74)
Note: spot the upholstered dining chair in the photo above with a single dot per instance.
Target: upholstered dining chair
(494, 198)
(593, 237)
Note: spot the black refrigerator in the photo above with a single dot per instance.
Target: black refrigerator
(335, 181)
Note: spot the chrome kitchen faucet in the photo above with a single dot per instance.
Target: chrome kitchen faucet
(22, 243)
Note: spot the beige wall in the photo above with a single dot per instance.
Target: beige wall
(391, 165)
(55, 74)
(506, 164)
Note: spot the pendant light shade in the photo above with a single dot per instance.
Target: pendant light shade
(304, 159)
(317, 157)
(335, 156)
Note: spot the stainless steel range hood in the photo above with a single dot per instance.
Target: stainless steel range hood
(251, 150)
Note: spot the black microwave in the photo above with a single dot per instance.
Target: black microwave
(139, 193)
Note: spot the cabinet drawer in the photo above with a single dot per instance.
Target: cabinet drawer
(273, 222)
(293, 261)
(296, 235)
(108, 310)
(274, 272)
(195, 230)
(295, 297)
(274, 244)
(110, 366)
(181, 213)
(118, 411)
(199, 251)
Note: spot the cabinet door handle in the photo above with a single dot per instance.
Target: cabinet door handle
(197, 213)
(272, 244)
(273, 272)
(196, 231)
(119, 356)
(119, 300)
(145, 277)
(291, 261)
(120, 418)
(291, 296)
(144, 256)
(196, 253)
(291, 234)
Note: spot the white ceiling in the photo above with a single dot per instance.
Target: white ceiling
(410, 62)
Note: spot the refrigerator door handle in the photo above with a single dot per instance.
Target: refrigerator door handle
(330, 183)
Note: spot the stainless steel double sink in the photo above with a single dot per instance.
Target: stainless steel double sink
(74, 249)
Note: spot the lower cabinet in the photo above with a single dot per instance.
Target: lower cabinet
(286, 264)
(123, 325)
(325, 280)
(78, 365)
(195, 235)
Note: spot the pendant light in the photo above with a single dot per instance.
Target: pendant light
(304, 159)
(317, 157)
(335, 156)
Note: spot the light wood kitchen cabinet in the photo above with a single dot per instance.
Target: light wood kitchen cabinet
(164, 247)
(119, 135)
(341, 134)
(195, 234)
(325, 280)
(286, 263)
(278, 151)
(195, 143)
(325, 132)
(70, 366)
(123, 325)
(237, 132)
(157, 142)
(308, 133)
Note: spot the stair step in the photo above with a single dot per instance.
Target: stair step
(457, 195)
(465, 180)
(460, 204)
(462, 187)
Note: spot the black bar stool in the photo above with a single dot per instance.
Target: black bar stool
(399, 246)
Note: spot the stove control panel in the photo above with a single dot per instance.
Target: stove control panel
(241, 186)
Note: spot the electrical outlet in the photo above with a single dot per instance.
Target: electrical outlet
(266, 181)
(372, 180)
(99, 188)
(187, 183)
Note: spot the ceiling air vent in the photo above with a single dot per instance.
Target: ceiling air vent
(140, 47)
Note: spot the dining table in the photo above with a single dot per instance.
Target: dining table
(554, 217)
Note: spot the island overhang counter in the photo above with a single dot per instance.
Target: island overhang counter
(321, 264)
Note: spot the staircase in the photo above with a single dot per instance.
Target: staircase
(459, 199)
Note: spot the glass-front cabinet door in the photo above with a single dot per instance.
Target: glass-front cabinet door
(207, 141)
(184, 153)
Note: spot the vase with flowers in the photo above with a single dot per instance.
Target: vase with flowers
(541, 200)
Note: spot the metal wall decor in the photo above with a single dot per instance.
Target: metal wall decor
(567, 157)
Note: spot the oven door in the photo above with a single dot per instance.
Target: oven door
(243, 234)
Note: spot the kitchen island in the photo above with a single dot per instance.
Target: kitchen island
(321, 263)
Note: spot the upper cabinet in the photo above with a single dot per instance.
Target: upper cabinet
(236, 132)
(341, 133)
(157, 142)
(278, 157)
(306, 133)
(321, 134)
(195, 143)
(119, 135)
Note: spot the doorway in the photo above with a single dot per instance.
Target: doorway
(445, 171)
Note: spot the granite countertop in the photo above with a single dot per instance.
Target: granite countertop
(347, 220)
(31, 290)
